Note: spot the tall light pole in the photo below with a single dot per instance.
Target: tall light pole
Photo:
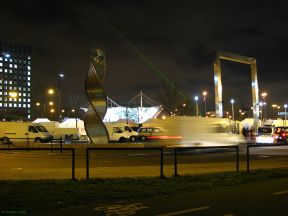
(263, 95)
(196, 98)
(60, 76)
(261, 112)
(285, 107)
(204, 99)
(233, 117)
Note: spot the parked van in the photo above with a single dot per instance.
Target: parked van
(120, 132)
(14, 130)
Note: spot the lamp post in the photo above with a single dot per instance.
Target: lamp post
(196, 103)
(233, 117)
(60, 76)
(285, 107)
(264, 95)
(261, 112)
(204, 99)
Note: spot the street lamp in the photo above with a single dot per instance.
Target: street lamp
(261, 111)
(233, 117)
(204, 99)
(285, 107)
(196, 103)
(60, 76)
(264, 95)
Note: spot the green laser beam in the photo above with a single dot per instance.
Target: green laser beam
(138, 52)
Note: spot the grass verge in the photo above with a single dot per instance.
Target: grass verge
(44, 195)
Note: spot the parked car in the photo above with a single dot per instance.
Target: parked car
(265, 135)
(280, 134)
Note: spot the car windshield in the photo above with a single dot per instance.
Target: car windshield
(264, 130)
(41, 129)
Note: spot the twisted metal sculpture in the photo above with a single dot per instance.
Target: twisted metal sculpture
(97, 98)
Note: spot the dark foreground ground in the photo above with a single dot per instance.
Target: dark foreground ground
(260, 192)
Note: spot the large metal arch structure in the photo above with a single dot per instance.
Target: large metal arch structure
(218, 82)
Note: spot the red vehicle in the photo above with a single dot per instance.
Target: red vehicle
(280, 134)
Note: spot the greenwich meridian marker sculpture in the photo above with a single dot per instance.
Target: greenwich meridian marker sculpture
(218, 82)
(97, 98)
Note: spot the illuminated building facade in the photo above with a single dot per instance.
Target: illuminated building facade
(15, 81)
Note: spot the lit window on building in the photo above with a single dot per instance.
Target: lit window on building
(20, 100)
(28, 100)
(1, 64)
(28, 67)
(20, 105)
(10, 105)
(28, 105)
(10, 60)
(20, 92)
(10, 71)
(24, 105)
(10, 99)
(15, 66)
(28, 73)
(5, 70)
(24, 94)
(28, 78)
(10, 65)
(29, 116)
(10, 82)
(6, 59)
(15, 105)
(24, 100)
(1, 104)
(1, 58)
(1, 70)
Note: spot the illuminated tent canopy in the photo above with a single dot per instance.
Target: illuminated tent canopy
(135, 111)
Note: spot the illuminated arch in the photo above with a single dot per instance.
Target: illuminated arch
(218, 82)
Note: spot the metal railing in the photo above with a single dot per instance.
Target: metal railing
(258, 146)
(204, 147)
(47, 149)
(122, 149)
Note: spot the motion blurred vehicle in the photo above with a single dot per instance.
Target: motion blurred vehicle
(265, 135)
(154, 133)
(280, 134)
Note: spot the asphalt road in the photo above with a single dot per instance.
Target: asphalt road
(267, 198)
(39, 165)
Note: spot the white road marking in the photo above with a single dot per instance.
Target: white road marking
(185, 211)
(280, 193)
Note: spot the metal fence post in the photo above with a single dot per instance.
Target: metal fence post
(61, 144)
(237, 158)
(51, 146)
(161, 163)
(175, 162)
(248, 158)
(87, 163)
(73, 164)
(27, 144)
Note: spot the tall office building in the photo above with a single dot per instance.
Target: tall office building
(15, 81)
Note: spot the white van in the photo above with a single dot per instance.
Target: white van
(120, 132)
(23, 130)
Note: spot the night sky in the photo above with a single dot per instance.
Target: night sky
(179, 37)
